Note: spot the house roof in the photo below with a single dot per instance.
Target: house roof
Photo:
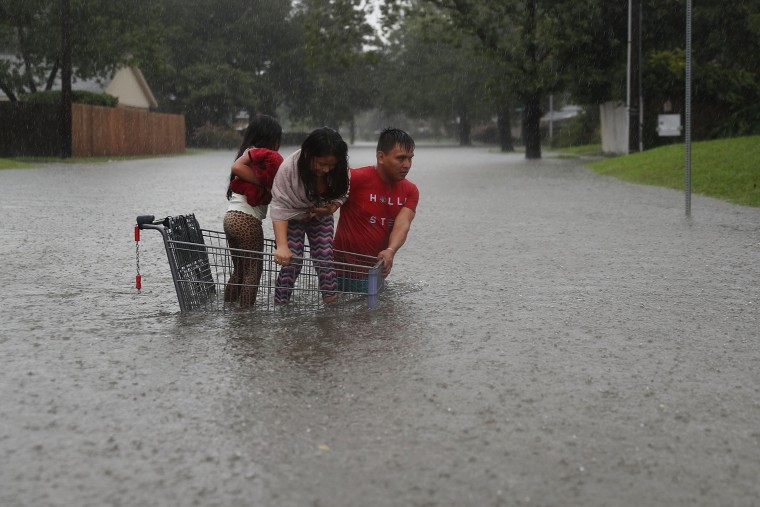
(565, 113)
(99, 84)
(144, 85)
(131, 73)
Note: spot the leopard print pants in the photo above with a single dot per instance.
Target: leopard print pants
(244, 232)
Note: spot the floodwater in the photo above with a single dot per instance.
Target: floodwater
(548, 337)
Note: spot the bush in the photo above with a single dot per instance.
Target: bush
(77, 96)
(215, 137)
(579, 131)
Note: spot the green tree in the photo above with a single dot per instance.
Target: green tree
(521, 34)
(223, 56)
(725, 67)
(435, 71)
(340, 53)
(105, 35)
(592, 49)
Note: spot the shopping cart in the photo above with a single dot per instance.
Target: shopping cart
(201, 264)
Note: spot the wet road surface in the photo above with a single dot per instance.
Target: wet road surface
(549, 337)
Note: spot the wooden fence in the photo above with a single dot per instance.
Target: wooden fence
(34, 130)
(108, 131)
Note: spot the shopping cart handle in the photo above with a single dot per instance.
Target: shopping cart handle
(145, 219)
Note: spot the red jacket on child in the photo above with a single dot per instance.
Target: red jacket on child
(265, 164)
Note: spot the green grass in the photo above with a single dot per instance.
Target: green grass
(6, 163)
(589, 149)
(728, 169)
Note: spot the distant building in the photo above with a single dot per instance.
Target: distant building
(553, 121)
(129, 129)
(241, 120)
(128, 85)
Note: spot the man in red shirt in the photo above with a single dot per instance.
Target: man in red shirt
(381, 205)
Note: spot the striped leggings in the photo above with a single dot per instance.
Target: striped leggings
(320, 234)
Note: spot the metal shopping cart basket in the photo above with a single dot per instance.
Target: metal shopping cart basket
(201, 264)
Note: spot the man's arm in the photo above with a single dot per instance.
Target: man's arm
(401, 226)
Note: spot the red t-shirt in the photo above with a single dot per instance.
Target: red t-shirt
(367, 217)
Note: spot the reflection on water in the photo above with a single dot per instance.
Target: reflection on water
(530, 335)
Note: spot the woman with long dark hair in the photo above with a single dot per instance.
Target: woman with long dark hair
(310, 186)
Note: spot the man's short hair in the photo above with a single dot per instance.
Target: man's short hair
(391, 137)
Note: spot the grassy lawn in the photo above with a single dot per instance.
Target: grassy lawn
(727, 169)
(6, 163)
(589, 149)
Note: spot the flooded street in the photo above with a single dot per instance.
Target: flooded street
(548, 337)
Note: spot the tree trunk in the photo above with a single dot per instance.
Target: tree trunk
(464, 129)
(66, 94)
(531, 118)
(531, 106)
(268, 105)
(634, 77)
(8, 93)
(28, 77)
(504, 123)
(52, 75)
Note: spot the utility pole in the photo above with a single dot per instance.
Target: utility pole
(65, 132)
(687, 119)
(640, 81)
(634, 98)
